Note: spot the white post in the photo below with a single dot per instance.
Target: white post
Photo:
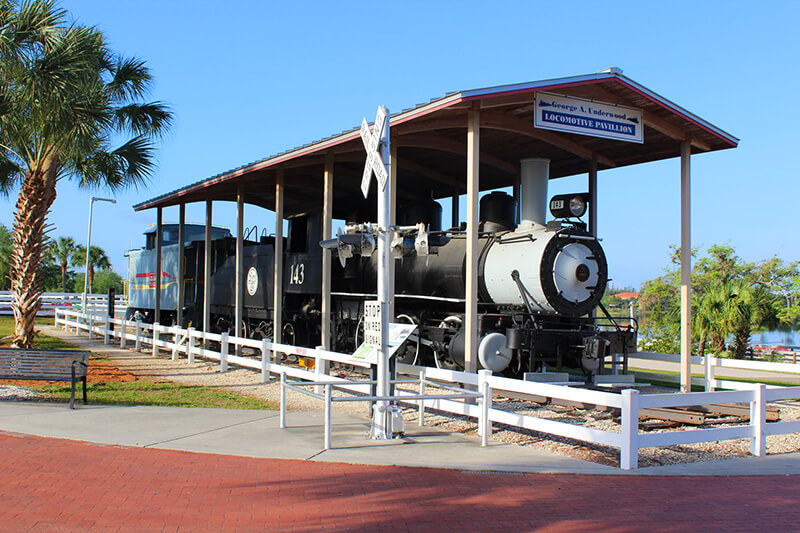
(318, 369)
(175, 343)
(708, 363)
(264, 360)
(106, 330)
(155, 338)
(629, 450)
(283, 400)
(65, 321)
(190, 345)
(328, 416)
(421, 415)
(385, 290)
(138, 345)
(486, 404)
(758, 421)
(122, 333)
(223, 352)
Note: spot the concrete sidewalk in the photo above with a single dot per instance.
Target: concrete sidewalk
(250, 433)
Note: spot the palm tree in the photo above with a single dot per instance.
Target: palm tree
(97, 260)
(64, 252)
(64, 96)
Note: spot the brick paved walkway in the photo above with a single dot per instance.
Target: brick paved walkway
(61, 485)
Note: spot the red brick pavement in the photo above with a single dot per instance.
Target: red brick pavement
(61, 485)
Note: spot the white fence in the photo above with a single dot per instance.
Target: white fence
(710, 365)
(95, 303)
(185, 342)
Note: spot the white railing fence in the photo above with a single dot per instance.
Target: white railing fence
(709, 366)
(191, 343)
(95, 303)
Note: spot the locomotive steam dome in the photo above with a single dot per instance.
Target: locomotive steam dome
(563, 269)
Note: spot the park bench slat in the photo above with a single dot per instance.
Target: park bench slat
(45, 365)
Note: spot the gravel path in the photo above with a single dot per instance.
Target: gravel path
(246, 381)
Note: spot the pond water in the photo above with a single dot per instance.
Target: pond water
(787, 338)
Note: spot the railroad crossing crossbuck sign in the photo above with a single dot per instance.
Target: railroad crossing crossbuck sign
(372, 143)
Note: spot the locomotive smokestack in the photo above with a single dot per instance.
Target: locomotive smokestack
(533, 192)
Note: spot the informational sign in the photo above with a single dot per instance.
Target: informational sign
(587, 117)
(252, 281)
(372, 144)
(372, 323)
(398, 333)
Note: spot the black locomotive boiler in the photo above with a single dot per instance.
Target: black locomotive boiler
(539, 287)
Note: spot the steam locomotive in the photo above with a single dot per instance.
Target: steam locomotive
(540, 285)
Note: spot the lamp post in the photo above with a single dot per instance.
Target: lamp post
(88, 246)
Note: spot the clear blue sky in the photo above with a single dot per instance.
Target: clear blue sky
(250, 79)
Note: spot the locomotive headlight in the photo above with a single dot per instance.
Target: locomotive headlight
(577, 207)
(568, 205)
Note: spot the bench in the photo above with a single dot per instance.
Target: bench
(46, 365)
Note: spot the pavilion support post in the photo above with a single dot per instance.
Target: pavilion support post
(181, 264)
(454, 209)
(686, 269)
(516, 194)
(159, 268)
(473, 186)
(277, 294)
(392, 215)
(239, 285)
(327, 230)
(593, 196)
(207, 272)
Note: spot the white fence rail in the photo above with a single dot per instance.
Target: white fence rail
(95, 303)
(191, 343)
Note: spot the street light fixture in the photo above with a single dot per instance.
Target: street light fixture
(88, 246)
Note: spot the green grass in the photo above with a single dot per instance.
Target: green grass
(150, 393)
(43, 342)
(643, 373)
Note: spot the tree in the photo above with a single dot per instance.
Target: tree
(64, 97)
(106, 279)
(5, 256)
(97, 260)
(64, 253)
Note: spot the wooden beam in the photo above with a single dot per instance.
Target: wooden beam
(435, 142)
(523, 127)
(662, 126)
(428, 172)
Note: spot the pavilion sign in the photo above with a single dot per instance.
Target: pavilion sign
(587, 117)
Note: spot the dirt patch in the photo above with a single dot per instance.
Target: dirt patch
(100, 371)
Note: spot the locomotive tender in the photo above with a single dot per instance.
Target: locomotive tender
(540, 284)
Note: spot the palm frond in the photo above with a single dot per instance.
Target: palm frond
(130, 78)
(36, 22)
(130, 165)
(152, 119)
(10, 175)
